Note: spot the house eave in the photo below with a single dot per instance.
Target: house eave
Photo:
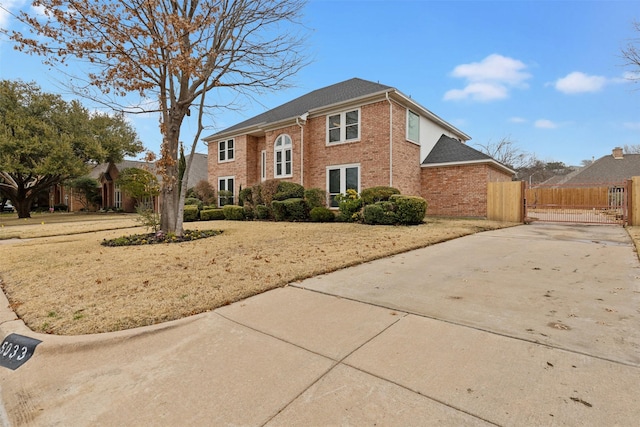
(430, 115)
(260, 128)
(491, 162)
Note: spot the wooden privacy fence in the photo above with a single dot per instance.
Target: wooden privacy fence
(601, 196)
(505, 201)
(617, 203)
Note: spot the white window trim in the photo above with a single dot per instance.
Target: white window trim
(275, 157)
(343, 179)
(343, 127)
(117, 197)
(226, 150)
(409, 112)
(263, 165)
(226, 180)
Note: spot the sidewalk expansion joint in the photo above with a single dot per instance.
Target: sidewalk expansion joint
(476, 328)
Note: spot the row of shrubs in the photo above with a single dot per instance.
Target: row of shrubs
(288, 201)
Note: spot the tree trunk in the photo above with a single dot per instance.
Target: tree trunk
(23, 207)
(170, 192)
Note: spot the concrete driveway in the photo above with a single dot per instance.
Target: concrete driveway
(532, 325)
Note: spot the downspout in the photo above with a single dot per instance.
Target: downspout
(390, 140)
(304, 120)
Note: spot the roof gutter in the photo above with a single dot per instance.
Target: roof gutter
(496, 164)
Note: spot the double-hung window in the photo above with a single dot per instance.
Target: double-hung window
(282, 151)
(340, 179)
(343, 127)
(225, 190)
(413, 126)
(117, 197)
(226, 150)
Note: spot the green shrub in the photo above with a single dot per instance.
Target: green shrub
(322, 214)
(245, 197)
(209, 207)
(409, 209)
(380, 213)
(192, 201)
(211, 214)
(372, 195)
(315, 197)
(225, 198)
(190, 213)
(349, 205)
(249, 212)
(262, 212)
(233, 212)
(268, 189)
(256, 195)
(290, 210)
(289, 190)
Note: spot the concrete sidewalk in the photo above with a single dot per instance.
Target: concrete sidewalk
(532, 325)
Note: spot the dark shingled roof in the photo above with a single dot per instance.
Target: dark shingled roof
(450, 150)
(339, 92)
(608, 169)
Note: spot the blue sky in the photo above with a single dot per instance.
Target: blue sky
(546, 74)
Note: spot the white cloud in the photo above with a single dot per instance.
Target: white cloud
(545, 124)
(478, 92)
(8, 8)
(518, 120)
(490, 79)
(578, 82)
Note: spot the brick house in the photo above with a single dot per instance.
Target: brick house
(111, 196)
(354, 135)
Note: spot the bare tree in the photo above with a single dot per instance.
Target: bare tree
(173, 52)
(632, 149)
(507, 152)
(631, 54)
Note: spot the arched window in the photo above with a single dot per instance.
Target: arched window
(282, 151)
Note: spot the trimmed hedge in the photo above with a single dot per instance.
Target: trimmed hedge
(245, 196)
(288, 190)
(315, 197)
(290, 210)
(262, 212)
(373, 195)
(233, 212)
(322, 214)
(192, 201)
(190, 213)
(211, 214)
(380, 213)
(409, 209)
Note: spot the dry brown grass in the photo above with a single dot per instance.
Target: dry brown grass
(70, 284)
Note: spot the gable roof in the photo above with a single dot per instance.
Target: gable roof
(347, 91)
(198, 171)
(607, 169)
(449, 152)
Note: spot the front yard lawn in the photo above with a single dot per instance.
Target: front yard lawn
(69, 284)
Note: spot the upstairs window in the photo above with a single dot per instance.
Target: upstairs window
(226, 151)
(413, 126)
(343, 127)
(283, 166)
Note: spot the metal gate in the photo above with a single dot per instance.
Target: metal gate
(605, 203)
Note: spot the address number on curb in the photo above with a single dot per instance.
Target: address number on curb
(16, 350)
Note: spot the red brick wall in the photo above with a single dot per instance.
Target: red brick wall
(459, 190)
(406, 156)
(371, 151)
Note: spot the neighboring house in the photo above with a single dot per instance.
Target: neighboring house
(112, 196)
(611, 169)
(354, 135)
